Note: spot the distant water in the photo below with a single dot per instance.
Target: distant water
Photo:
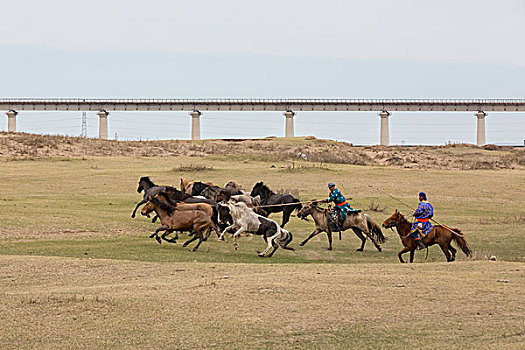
(360, 128)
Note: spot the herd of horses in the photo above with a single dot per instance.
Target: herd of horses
(202, 207)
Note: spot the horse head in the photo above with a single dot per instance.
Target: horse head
(256, 189)
(306, 210)
(148, 208)
(144, 184)
(394, 220)
(262, 190)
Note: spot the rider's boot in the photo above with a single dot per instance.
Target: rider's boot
(420, 244)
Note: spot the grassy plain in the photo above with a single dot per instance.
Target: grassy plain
(76, 270)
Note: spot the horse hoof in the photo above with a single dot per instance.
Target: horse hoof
(158, 240)
(132, 216)
(329, 248)
(260, 255)
(359, 250)
(194, 250)
(301, 244)
(379, 249)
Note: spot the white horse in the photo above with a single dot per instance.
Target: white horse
(245, 220)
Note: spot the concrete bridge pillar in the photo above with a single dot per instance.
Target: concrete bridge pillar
(481, 136)
(289, 128)
(195, 125)
(11, 120)
(385, 132)
(103, 125)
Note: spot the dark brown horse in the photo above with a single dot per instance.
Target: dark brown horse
(440, 235)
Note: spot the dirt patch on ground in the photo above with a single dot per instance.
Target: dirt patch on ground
(72, 303)
(21, 146)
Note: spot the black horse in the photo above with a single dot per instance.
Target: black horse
(268, 197)
(149, 188)
(198, 187)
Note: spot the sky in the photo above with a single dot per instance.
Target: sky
(267, 49)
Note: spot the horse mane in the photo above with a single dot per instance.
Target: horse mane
(169, 209)
(171, 201)
(147, 180)
(402, 217)
(174, 194)
(264, 189)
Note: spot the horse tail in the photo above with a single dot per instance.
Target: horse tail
(298, 206)
(375, 230)
(460, 240)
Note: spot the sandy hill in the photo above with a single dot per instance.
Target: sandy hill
(15, 146)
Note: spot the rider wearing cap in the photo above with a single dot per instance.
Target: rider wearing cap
(339, 200)
(422, 226)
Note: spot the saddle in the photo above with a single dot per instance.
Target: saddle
(335, 219)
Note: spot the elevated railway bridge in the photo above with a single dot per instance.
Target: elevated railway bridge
(289, 108)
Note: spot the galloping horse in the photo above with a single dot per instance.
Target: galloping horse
(149, 188)
(245, 220)
(359, 222)
(440, 235)
(268, 197)
(178, 219)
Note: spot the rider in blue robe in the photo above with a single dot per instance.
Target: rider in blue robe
(339, 200)
(422, 226)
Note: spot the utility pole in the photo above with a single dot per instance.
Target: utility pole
(83, 133)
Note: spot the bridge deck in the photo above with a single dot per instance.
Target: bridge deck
(473, 105)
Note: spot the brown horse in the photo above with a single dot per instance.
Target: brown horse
(173, 219)
(186, 185)
(205, 207)
(440, 235)
(360, 223)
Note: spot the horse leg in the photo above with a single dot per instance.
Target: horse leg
(271, 242)
(156, 233)
(287, 211)
(412, 251)
(235, 235)
(275, 246)
(221, 237)
(163, 236)
(359, 234)
(194, 238)
(313, 234)
(378, 247)
(208, 233)
(444, 248)
(143, 201)
(329, 235)
(171, 240)
(452, 250)
(401, 252)
(199, 235)
(154, 219)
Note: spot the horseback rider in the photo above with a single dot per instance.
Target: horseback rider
(339, 200)
(422, 226)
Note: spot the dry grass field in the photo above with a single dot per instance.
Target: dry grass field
(77, 271)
